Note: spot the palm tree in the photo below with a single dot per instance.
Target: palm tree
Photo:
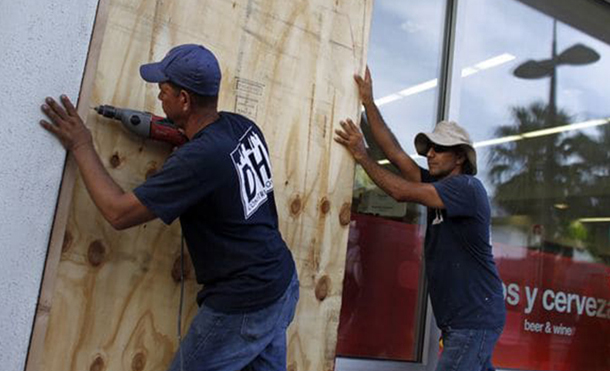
(530, 175)
(594, 201)
(553, 180)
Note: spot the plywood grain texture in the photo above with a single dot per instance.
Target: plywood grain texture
(286, 64)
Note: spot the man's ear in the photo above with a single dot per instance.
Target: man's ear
(461, 158)
(185, 99)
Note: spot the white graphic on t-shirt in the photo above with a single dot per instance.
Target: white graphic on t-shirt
(251, 161)
(438, 217)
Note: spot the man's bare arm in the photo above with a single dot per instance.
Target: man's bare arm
(382, 134)
(398, 188)
(121, 209)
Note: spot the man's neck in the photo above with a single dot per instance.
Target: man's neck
(456, 171)
(199, 120)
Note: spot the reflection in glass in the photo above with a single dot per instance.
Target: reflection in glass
(541, 124)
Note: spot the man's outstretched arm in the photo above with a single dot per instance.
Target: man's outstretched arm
(121, 209)
(382, 134)
(396, 187)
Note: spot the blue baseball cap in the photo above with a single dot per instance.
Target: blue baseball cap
(190, 66)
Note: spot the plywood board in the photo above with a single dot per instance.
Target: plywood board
(288, 66)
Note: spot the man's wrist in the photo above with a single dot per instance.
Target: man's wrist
(369, 103)
(361, 157)
(83, 145)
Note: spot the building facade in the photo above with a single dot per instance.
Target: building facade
(528, 80)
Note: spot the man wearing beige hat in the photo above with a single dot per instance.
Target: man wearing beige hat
(463, 281)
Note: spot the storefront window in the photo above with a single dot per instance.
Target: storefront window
(383, 306)
(539, 113)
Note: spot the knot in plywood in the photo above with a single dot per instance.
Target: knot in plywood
(96, 253)
(345, 214)
(177, 270)
(139, 362)
(115, 160)
(152, 169)
(324, 205)
(98, 364)
(67, 241)
(296, 206)
(322, 288)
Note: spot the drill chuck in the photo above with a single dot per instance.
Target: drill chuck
(107, 111)
(133, 117)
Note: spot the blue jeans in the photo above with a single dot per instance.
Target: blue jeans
(254, 341)
(467, 349)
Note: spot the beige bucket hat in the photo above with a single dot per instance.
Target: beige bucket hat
(448, 134)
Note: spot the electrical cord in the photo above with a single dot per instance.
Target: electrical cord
(181, 301)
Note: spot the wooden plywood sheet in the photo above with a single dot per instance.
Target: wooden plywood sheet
(286, 64)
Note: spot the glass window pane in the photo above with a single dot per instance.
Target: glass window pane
(533, 92)
(382, 309)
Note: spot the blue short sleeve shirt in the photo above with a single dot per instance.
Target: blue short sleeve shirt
(220, 186)
(464, 284)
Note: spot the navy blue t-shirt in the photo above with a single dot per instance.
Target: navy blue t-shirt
(220, 186)
(464, 284)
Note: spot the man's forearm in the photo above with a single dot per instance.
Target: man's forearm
(387, 181)
(398, 188)
(381, 132)
(104, 191)
(389, 144)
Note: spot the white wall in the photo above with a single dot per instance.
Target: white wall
(43, 48)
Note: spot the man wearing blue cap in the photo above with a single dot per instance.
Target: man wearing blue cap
(463, 281)
(220, 186)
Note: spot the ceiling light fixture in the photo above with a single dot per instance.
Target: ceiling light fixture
(595, 220)
(431, 84)
(543, 132)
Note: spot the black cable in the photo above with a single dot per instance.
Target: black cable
(181, 301)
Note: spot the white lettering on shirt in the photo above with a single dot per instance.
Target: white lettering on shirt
(251, 161)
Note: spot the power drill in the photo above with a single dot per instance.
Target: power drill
(145, 124)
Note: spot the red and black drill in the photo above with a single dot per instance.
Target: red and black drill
(145, 124)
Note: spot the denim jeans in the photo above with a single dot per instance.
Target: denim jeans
(467, 349)
(254, 341)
